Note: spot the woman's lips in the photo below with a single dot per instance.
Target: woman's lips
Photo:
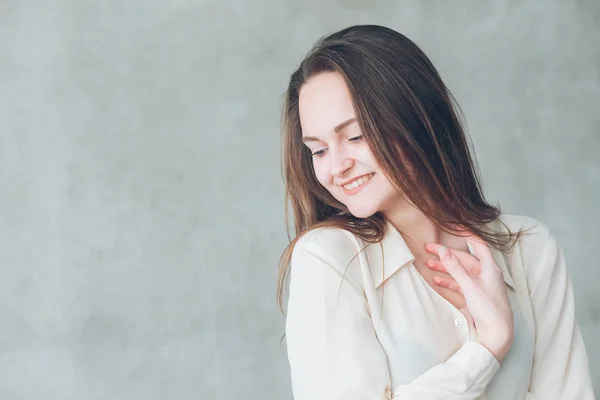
(353, 191)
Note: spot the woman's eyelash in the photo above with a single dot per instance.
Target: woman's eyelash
(319, 153)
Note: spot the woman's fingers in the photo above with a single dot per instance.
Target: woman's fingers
(435, 265)
(482, 251)
(454, 267)
(465, 258)
(471, 263)
(448, 283)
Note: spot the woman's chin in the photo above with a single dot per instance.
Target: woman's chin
(362, 212)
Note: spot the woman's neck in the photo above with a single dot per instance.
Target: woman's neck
(417, 229)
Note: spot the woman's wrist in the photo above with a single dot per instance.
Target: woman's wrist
(499, 347)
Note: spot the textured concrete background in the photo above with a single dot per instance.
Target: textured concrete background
(141, 203)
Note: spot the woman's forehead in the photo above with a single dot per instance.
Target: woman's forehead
(324, 103)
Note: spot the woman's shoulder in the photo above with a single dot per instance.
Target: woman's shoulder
(326, 237)
(331, 240)
(535, 239)
(533, 231)
(336, 246)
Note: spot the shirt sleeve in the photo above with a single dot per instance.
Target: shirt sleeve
(560, 364)
(333, 350)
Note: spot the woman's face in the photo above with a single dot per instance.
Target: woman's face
(342, 160)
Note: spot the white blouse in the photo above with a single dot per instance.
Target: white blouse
(368, 326)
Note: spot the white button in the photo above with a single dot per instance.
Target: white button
(458, 323)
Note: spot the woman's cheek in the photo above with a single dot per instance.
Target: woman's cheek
(321, 175)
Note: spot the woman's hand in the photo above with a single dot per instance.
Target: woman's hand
(480, 281)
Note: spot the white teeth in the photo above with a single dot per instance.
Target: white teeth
(358, 182)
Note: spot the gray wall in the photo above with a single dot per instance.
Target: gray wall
(141, 203)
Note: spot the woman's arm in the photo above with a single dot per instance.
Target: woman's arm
(560, 364)
(333, 349)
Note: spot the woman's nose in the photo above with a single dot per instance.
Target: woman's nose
(340, 165)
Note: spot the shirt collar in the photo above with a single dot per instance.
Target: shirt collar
(392, 253)
(499, 256)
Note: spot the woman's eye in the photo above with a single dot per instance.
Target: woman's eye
(318, 153)
(355, 139)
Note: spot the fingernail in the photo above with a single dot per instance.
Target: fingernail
(471, 247)
(445, 253)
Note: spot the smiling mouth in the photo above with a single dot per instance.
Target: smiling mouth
(358, 182)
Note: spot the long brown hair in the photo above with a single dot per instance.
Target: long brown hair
(411, 122)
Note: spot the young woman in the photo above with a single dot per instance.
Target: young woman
(404, 282)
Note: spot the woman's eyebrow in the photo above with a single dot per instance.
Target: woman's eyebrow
(344, 124)
(337, 129)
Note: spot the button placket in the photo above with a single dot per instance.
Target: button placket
(462, 325)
